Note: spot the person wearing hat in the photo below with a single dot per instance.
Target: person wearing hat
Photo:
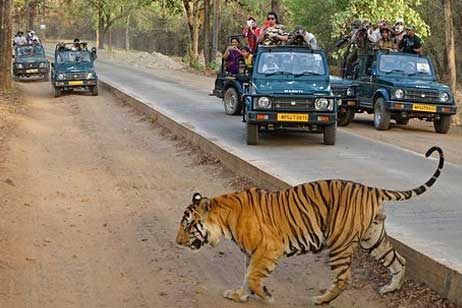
(20, 39)
(399, 29)
(31, 37)
(376, 35)
(302, 37)
(410, 43)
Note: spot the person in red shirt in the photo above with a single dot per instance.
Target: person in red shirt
(251, 32)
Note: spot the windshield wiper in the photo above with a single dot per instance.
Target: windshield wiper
(277, 73)
(394, 71)
(308, 73)
(415, 73)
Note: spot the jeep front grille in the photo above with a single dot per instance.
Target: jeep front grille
(422, 96)
(295, 104)
(339, 91)
(76, 76)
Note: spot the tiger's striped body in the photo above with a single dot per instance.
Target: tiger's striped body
(333, 214)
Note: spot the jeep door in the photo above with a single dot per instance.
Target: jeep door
(367, 82)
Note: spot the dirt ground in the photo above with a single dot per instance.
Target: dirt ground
(91, 196)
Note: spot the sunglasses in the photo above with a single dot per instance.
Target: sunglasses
(271, 18)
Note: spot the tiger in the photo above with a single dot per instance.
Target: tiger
(336, 215)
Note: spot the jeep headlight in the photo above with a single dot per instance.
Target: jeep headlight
(60, 76)
(19, 65)
(350, 92)
(399, 94)
(263, 102)
(90, 76)
(43, 65)
(443, 97)
(323, 104)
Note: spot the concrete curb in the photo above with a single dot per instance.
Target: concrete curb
(447, 282)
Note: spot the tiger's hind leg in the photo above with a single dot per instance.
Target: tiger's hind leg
(340, 263)
(377, 243)
(241, 294)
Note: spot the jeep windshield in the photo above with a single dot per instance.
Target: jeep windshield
(73, 57)
(30, 51)
(291, 63)
(405, 65)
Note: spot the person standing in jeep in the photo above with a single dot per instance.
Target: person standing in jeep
(411, 43)
(251, 32)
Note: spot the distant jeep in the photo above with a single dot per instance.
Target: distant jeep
(401, 86)
(74, 69)
(289, 89)
(30, 61)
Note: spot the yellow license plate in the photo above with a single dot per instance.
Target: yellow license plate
(76, 83)
(424, 108)
(291, 117)
(35, 70)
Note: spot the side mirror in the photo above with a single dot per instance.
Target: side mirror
(52, 64)
(93, 53)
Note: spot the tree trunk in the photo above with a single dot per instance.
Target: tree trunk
(207, 54)
(127, 33)
(450, 44)
(100, 33)
(30, 14)
(216, 27)
(5, 45)
(109, 38)
(275, 6)
(196, 33)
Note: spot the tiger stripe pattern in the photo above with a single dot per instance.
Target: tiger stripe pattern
(336, 215)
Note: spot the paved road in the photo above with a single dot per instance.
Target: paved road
(430, 224)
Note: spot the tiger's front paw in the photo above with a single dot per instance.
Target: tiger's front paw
(237, 295)
(319, 300)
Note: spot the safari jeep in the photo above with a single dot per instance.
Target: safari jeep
(290, 90)
(30, 61)
(345, 91)
(403, 86)
(73, 69)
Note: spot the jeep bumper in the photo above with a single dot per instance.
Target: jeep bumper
(290, 119)
(420, 109)
(30, 71)
(75, 83)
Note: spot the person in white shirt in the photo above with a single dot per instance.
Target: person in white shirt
(20, 39)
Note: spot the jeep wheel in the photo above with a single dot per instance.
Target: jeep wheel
(442, 125)
(381, 115)
(345, 117)
(94, 90)
(56, 91)
(252, 134)
(233, 105)
(402, 121)
(330, 133)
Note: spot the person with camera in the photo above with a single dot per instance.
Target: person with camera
(273, 32)
(411, 43)
(301, 37)
(386, 42)
(232, 55)
(251, 32)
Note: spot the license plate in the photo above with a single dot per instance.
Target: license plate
(34, 70)
(76, 83)
(291, 117)
(424, 108)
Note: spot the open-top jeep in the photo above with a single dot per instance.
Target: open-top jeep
(30, 61)
(290, 90)
(74, 68)
(402, 86)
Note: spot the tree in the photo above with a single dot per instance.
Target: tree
(207, 47)
(195, 16)
(5, 45)
(216, 27)
(450, 44)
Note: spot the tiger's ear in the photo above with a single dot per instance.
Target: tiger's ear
(196, 199)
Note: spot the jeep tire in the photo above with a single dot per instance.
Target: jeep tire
(56, 91)
(442, 125)
(94, 90)
(252, 134)
(381, 115)
(329, 134)
(345, 117)
(231, 101)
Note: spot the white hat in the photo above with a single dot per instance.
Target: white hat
(399, 20)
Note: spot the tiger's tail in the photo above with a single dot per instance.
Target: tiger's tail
(392, 195)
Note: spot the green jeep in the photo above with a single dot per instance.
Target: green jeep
(402, 86)
(290, 90)
(30, 61)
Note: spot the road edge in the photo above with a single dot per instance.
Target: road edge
(420, 267)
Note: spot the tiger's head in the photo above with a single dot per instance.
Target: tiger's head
(193, 231)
